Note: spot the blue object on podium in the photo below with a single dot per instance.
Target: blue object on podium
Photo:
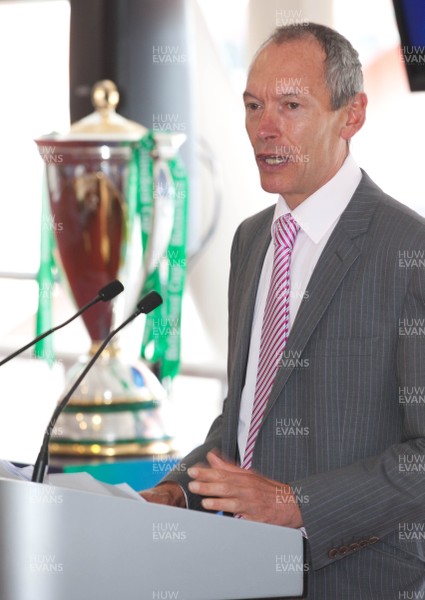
(139, 473)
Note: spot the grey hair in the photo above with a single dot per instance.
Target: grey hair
(343, 69)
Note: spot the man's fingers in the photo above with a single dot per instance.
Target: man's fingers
(218, 469)
(169, 493)
(152, 496)
(231, 489)
(219, 463)
(229, 505)
(214, 475)
(206, 473)
(221, 489)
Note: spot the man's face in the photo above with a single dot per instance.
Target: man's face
(295, 134)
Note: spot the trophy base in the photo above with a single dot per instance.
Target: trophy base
(104, 450)
(115, 412)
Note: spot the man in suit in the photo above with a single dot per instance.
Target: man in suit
(340, 445)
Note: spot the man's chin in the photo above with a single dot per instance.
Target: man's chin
(271, 187)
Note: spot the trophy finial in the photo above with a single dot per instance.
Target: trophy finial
(104, 121)
(105, 95)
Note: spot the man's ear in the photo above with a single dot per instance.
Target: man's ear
(355, 112)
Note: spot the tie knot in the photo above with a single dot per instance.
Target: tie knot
(284, 231)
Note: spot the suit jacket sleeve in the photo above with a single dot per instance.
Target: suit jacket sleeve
(373, 498)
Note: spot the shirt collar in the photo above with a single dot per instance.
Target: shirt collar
(319, 211)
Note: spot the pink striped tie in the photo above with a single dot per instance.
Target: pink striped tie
(274, 332)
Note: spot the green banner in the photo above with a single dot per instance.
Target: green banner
(162, 335)
(45, 279)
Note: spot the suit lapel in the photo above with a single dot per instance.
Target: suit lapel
(248, 277)
(338, 256)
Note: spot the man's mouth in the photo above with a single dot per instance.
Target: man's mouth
(272, 159)
(275, 160)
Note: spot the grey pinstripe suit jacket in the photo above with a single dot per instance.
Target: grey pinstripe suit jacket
(345, 422)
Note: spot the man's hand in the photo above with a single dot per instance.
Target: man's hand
(169, 493)
(231, 489)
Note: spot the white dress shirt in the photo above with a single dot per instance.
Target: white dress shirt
(317, 217)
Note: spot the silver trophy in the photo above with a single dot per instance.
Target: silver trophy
(92, 176)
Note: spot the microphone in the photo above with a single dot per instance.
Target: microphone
(145, 306)
(105, 294)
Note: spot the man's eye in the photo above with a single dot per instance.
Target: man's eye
(292, 105)
(252, 106)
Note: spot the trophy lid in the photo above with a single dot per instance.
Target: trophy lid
(104, 124)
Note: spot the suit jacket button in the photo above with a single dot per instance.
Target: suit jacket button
(333, 553)
(354, 547)
(373, 539)
(343, 550)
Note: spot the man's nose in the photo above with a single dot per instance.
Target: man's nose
(268, 126)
